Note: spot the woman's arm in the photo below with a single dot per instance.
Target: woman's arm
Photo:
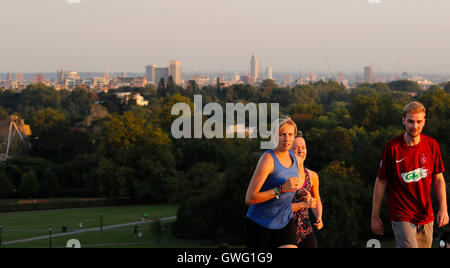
(310, 203)
(263, 169)
(318, 210)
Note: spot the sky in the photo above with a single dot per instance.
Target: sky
(222, 35)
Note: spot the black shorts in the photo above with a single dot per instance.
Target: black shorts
(261, 237)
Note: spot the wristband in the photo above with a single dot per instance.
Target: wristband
(277, 192)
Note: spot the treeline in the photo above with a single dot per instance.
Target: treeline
(88, 144)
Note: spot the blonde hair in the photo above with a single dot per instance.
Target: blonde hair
(414, 107)
(279, 124)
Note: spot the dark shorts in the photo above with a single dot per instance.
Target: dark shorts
(261, 237)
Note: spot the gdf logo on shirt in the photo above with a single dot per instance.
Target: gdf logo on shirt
(415, 175)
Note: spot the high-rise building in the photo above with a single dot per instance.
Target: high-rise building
(269, 73)
(175, 71)
(368, 74)
(9, 77)
(60, 76)
(161, 73)
(254, 69)
(150, 73)
(19, 77)
(38, 78)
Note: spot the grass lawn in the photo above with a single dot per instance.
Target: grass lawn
(123, 237)
(19, 225)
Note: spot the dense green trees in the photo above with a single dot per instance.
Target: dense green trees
(128, 151)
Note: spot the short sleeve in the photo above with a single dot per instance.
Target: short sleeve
(438, 165)
(385, 164)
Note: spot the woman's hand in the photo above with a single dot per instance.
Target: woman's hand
(319, 223)
(291, 185)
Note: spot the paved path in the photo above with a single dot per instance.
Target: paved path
(83, 231)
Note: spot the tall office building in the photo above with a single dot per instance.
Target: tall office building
(38, 78)
(9, 77)
(175, 71)
(19, 77)
(150, 73)
(161, 73)
(60, 76)
(254, 69)
(269, 73)
(368, 74)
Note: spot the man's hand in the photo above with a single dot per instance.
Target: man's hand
(377, 225)
(442, 218)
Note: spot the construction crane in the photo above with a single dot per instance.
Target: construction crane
(22, 130)
(329, 68)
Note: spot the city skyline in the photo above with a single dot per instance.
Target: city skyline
(290, 36)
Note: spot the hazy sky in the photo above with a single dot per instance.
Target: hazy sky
(221, 35)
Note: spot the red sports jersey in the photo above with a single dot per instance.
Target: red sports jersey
(410, 171)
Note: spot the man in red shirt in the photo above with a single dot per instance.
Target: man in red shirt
(410, 164)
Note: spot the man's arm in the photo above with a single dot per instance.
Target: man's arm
(378, 195)
(441, 194)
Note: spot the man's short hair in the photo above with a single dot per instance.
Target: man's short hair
(414, 107)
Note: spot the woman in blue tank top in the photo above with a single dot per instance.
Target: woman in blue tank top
(271, 190)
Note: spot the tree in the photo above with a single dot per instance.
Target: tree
(112, 179)
(283, 96)
(6, 187)
(192, 88)
(346, 201)
(60, 143)
(29, 186)
(199, 190)
(405, 85)
(49, 184)
(307, 94)
(157, 228)
(268, 85)
(364, 110)
(45, 118)
(137, 158)
(126, 131)
(164, 117)
(171, 86)
(161, 91)
(79, 101)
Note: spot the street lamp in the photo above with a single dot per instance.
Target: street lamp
(50, 236)
(1, 235)
(101, 221)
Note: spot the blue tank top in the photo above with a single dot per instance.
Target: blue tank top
(275, 213)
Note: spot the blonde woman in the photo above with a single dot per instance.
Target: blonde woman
(271, 190)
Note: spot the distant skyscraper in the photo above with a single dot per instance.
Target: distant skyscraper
(161, 73)
(107, 76)
(150, 73)
(19, 77)
(313, 77)
(175, 71)
(9, 77)
(269, 73)
(254, 69)
(38, 78)
(368, 74)
(60, 76)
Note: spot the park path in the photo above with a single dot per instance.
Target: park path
(84, 231)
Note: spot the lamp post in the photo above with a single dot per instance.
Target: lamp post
(101, 221)
(50, 236)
